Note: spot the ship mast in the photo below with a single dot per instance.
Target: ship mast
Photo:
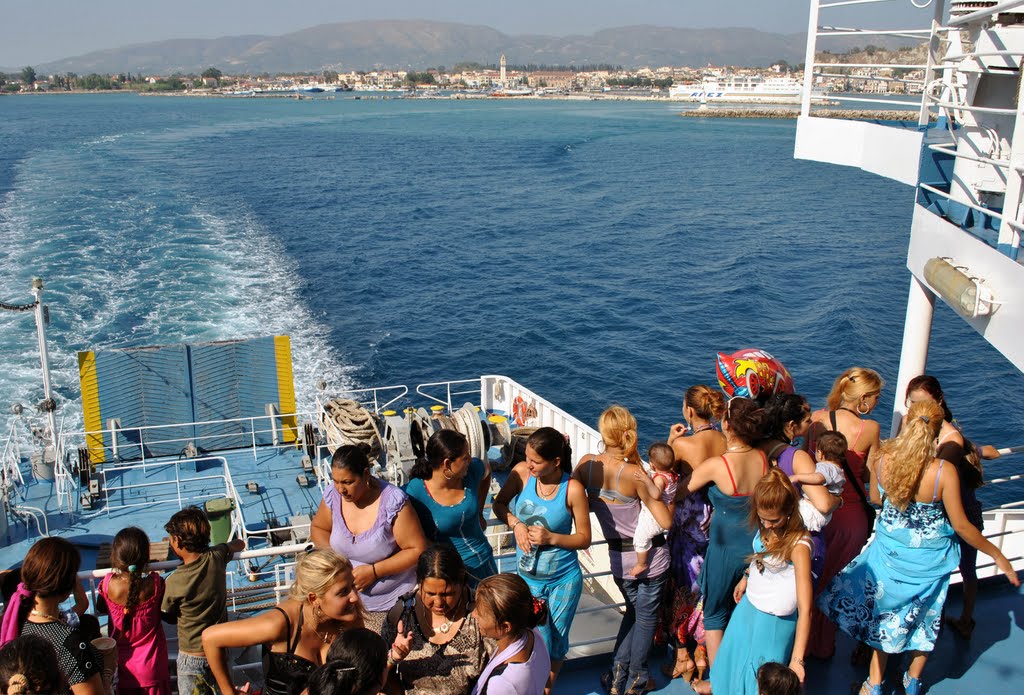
(47, 405)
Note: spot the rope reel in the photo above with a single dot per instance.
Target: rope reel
(467, 421)
(398, 449)
(346, 422)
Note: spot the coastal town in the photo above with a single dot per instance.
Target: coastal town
(778, 82)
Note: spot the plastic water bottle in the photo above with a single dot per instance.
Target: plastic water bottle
(528, 560)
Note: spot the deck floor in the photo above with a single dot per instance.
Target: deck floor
(991, 662)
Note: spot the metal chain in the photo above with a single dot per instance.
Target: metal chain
(17, 307)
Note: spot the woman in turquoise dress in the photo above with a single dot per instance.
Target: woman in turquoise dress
(448, 490)
(734, 475)
(541, 505)
(891, 596)
(772, 620)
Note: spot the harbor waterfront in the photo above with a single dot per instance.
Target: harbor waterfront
(597, 251)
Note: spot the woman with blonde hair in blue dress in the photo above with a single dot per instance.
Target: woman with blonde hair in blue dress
(891, 595)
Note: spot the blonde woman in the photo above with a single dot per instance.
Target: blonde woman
(854, 395)
(297, 633)
(615, 497)
(891, 595)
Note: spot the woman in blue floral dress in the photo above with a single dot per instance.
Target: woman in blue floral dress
(891, 595)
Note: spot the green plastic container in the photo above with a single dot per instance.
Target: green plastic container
(219, 512)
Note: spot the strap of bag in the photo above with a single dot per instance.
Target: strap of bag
(858, 487)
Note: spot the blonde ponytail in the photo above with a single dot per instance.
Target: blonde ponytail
(905, 457)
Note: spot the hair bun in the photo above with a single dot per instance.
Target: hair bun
(18, 683)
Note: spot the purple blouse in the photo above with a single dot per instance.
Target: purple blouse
(373, 545)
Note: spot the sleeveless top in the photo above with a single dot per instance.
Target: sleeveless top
(373, 545)
(459, 523)
(554, 515)
(612, 495)
(618, 523)
(285, 673)
(771, 588)
(142, 647)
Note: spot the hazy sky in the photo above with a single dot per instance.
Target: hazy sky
(44, 30)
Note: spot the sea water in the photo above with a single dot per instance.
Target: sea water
(597, 252)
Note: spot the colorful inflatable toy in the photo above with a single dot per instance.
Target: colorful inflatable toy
(752, 373)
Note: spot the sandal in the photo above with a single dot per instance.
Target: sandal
(867, 688)
(682, 668)
(701, 687)
(964, 629)
(700, 661)
(610, 680)
(912, 686)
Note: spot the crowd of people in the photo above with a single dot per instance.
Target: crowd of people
(745, 544)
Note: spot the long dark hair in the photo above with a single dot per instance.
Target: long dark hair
(508, 599)
(443, 444)
(782, 409)
(550, 444)
(931, 386)
(441, 561)
(129, 554)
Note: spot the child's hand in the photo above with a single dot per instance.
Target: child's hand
(402, 645)
(640, 476)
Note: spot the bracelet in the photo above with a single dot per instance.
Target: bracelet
(799, 661)
(373, 566)
(392, 661)
(518, 521)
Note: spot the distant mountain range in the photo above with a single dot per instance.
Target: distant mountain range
(416, 44)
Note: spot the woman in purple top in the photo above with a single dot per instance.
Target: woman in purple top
(507, 613)
(789, 421)
(371, 523)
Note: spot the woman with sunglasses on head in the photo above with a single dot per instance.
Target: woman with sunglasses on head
(731, 479)
(448, 490)
(549, 516)
(953, 447)
(693, 443)
(439, 649)
(891, 595)
(854, 395)
(772, 620)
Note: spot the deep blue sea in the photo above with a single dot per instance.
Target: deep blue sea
(596, 252)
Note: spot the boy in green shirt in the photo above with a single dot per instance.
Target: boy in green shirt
(196, 594)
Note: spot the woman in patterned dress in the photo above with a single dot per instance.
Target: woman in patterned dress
(891, 596)
(693, 443)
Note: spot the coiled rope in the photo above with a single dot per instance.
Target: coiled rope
(347, 422)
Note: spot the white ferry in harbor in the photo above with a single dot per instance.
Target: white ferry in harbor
(742, 89)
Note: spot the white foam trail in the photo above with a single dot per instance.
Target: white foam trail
(131, 258)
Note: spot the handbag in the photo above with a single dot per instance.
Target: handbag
(869, 509)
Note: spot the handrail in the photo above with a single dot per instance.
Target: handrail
(986, 211)
(944, 149)
(983, 14)
(448, 385)
(377, 405)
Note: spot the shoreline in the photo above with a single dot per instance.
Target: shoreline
(765, 110)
